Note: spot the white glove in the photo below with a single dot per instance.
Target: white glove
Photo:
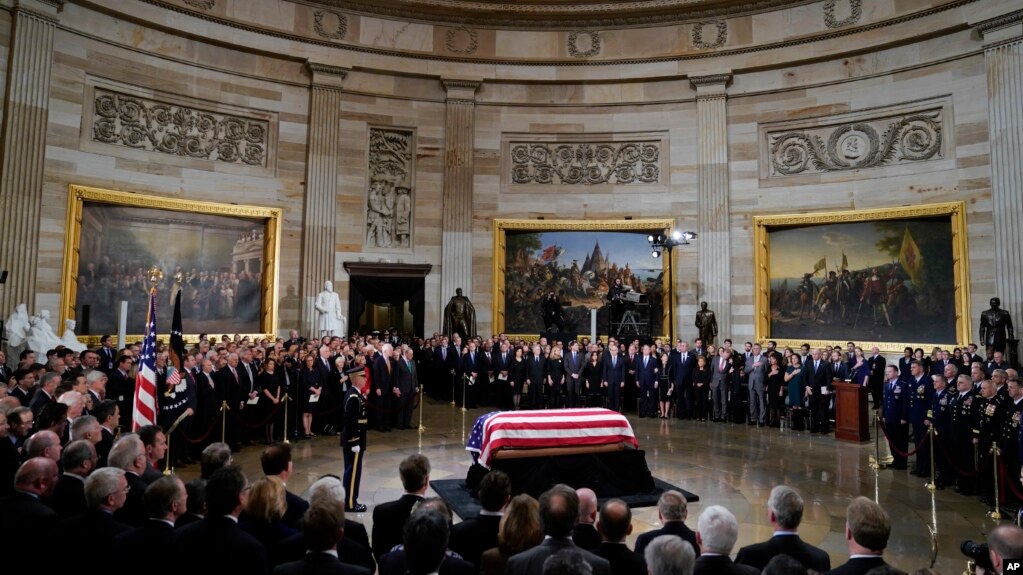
(356, 449)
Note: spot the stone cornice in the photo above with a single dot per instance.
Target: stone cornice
(42, 9)
(325, 76)
(1004, 21)
(711, 80)
(461, 90)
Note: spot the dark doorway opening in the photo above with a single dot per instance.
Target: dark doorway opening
(385, 295)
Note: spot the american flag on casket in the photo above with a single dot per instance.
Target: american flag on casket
(547, 428)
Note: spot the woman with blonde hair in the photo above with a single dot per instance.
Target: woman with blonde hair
(519, 530)
(264, 508)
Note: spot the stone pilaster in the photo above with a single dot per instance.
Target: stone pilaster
(714, 264)
(459, 146)
(1003, 54)
(23, 147)
(319, 221)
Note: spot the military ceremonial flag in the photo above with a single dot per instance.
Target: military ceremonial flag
(144, 412)
(911, 258)
(822, 264)
(177, 341)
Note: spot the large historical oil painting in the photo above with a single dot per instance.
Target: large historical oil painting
(219, 255)
(579, 262)
(889, 278)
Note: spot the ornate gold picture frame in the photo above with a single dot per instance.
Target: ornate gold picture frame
(891, 277)
(227, 255)
(579, 257)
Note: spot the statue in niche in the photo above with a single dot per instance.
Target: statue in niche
(707, 324)
(403, 216)
(17, 327)
(70, 340)
(379, 218)
(41, 337)
(460, 316)
(328, 307)
(995, 327)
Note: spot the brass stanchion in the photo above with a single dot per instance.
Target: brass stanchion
(422, 398)
(453, 403)
(877, 463)
(285, 400)
(464, 379)
(223, 421)
(995, 452)
(167, 469)
(933, 485)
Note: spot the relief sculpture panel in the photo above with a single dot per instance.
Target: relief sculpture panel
(585, 163)
(390, 197)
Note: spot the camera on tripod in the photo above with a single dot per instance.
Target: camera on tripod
(978, 554)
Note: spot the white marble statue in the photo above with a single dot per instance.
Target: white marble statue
(17, 326)
(41, 337)
(328, 306)
(70, 340)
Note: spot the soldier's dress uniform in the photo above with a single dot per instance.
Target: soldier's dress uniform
(989, 415)
(964, 407)
(921, 394)
(1009, 443)
(895, 410)
(353, 435)
(940, 416)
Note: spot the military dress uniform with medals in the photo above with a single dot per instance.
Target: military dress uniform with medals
(353, 444)
(964, 407)
(1009, 443)
(895, 410)
(990, 413)
(921, 394)
(940, 416)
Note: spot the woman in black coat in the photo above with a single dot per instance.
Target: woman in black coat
(592, 374)
(517, 377)
(310, 386)
(701, 387)
(270, 395)
(555, 376)
(665, 389)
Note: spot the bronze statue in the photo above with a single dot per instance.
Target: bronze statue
(707, 324)
(995, 323)
(460, 316)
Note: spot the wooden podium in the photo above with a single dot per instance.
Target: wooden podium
(851, 420)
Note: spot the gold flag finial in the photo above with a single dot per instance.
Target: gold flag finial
(155, 276)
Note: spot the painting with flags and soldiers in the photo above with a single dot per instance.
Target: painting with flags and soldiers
(884, 281)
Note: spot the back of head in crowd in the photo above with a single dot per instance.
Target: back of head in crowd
(672, 506)
(786, 507)
(276, 459)
(567, 562)
(867, 524)
(224, 491)
(1004, 542)
(323, 525)
(717, 530)
(415, 472)
(166, 498)
(784, 565)
(615, 521)
(559, 511)
(670, 555)
(214, 457)
(495, 490)
(426, 541)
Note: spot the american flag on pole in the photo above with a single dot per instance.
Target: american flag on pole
(145, 382)
(553, 428)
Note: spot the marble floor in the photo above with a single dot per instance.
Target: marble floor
(725, 464)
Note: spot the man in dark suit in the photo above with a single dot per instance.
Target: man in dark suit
(24, 518)
(389, 518)
(223, 546)
(895, 414)
(79, 460)
(585, 534)
(382, 388)
(445, 361)
(165, 502)
(323, 528)
(721, 374)
(276, 462)
(474, 535)
(671, 512)
(107, 355)
(716, 533)
(208, 398)
(613, 378)
(408, 386)
(647, 367)
(866, 533)
(614, 525)
(45, 394)
(94, 530)
(424, 547)
(575, 361)
(755, 368)
(108, 414)
(129, 455)
(876, 364)
(471, 372)
(819, 381)
(24, 388)
(536, 376)
(784, 511)
(120, 388)
(501, 362)
(559, 513)
(682, 363)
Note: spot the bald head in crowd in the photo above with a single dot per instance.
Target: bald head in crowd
(38, 476)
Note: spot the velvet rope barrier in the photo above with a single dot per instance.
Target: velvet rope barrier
(1004, 481)
(268, 419)
(951, 461)
(202, 438)
(899, 452)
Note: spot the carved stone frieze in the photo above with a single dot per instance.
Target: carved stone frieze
(719, 40)
(585, 163)
(573, 44)
(468, 46)
(330, 25)
(201, 4)
(867, 143)
(855, 13)
(151, 125)
(390, 196)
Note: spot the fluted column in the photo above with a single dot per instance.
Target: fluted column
(459, 145)
(320, 215)
(23, 147)
(1003, 54)
(714, 264)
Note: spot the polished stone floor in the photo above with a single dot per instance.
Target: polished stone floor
(725, 464)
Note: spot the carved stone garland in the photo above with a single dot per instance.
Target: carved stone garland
(855, 13)
(573, 49)
(339, 30)
(722, 35)
(912, 138)
(201, 4)
(471, 44)
(390, 197)
(154, 126)
(586, 163)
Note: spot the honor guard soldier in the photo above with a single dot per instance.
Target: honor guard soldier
(921, 393)
(940, 417)
(990, 412)
(894, 412)
(353, 442)
(1009, 442)
(964, 451)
